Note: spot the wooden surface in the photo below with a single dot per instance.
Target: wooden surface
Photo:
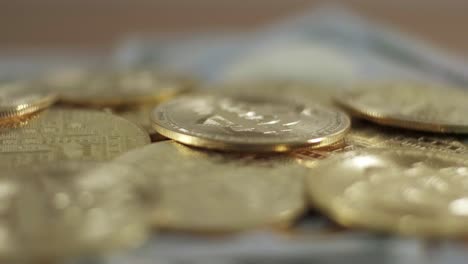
(97, 24)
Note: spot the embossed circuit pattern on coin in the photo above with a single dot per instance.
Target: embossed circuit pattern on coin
(398, 190)
(113, 89)
(413, 106)
(66, 134)
(18, 100)
(82, 207)
(215, 192)
(248, 123)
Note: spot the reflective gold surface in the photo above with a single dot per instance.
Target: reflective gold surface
(19, 100)
(207, 191)
(410, 105)
(141, 116)
(397, 190)
(248, 123)
(68, 134)
(65, 209)
(118, 88)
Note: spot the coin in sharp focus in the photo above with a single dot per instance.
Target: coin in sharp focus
(140, 115)
(18, 101)
(414, 106)
(207, 191)
(364, 135)
(60, 210)
(117, 88)
(248, 123)
(69, 134)
(405, 191)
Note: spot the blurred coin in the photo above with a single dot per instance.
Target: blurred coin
(117, 88)
(64, 209)
(364, 135)
(305, 92)
(18, 101)
(207, 191)
(248, 123)
(140, 115)
(69, 134)
(410, 105)
(397, 190)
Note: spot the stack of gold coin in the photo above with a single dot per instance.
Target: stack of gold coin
(131, 94)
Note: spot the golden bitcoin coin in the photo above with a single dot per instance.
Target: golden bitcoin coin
(64, 209)
(410, 105)
(364, 135)
(207, 191)
(69, 134)
(305, 92)
(20, 100)
(140, 115)
(248, 123)
(115, 89)
(397, 190)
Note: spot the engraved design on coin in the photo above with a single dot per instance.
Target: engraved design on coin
(414, 106)
(403, 190)
(65, 134)
(248, 121)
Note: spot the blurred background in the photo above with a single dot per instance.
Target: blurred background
(95, 26)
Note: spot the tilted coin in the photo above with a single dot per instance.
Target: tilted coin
(207, 191)
(69, 134)
(248, 123)
(364, 135)
(20, 100)
(117, 88)
(64, 209)
(140, 115)
(397, 190)
(410, 105)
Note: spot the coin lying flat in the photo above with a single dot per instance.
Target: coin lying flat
(64, 209)
(397, 190)
(114, 89)
(305, 92)
(364, 135)
(140, 115)
(248, 123)
(206, 191)
(69, 134)
(412, 106)
(20, 100)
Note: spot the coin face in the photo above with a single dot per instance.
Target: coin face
(248, 123)
(18, 100)
(68, 134)
(397, 190)
(114, 89)
(78, 207)
(207, 191)
(364, 135)
(412, 106)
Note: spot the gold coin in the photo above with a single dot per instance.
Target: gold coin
(207, 191)
(364, 135)
(305, 92)
(20, 100)
(397, 190)
(140, 115)
(69, 134)
(115, 89)
(248, 123)
(65, 209)
(410, 105)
